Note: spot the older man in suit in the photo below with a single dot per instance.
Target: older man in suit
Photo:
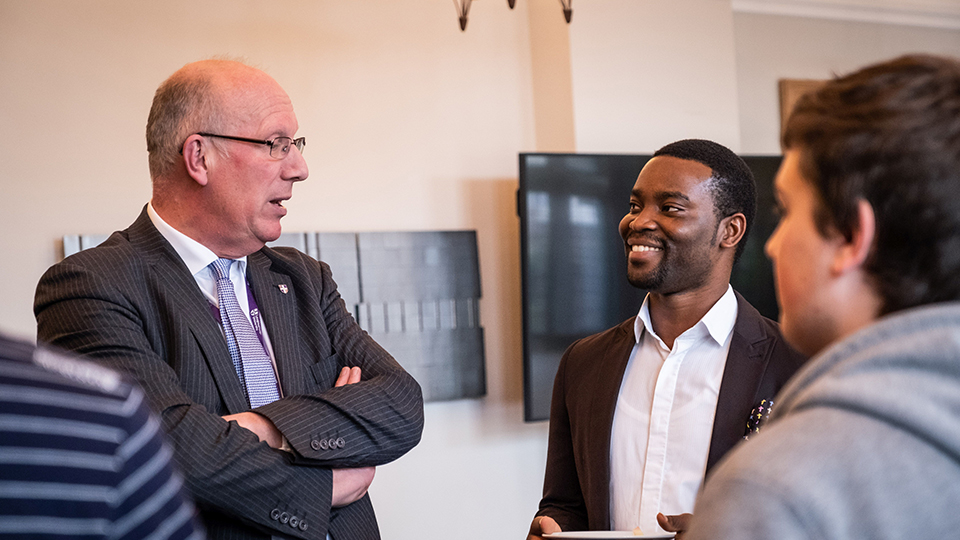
(643, 410)
(278, 405)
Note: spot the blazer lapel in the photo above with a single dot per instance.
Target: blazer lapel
(180, 289)
(276, 298)
(742, 374)
(612, 363)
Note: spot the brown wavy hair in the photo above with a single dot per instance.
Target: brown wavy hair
(890, 134)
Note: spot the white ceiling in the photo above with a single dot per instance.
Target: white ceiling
(934, 13)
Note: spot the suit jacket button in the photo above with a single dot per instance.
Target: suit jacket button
(294, 521)
(315, 444)
(324, 444)
(303, 525)
(284, 518)
(275, 514)
(340, 442)
(332, 444)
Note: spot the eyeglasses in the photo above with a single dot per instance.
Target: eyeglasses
(279, 146)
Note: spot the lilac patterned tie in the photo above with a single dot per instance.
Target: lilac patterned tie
(251, 361)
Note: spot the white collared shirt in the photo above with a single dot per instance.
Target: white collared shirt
(663, 423)
(197, 258)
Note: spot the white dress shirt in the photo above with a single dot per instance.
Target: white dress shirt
(198, 257)
(663, 423)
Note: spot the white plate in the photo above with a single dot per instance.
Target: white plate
(622, 535)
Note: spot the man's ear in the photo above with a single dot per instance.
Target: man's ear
(732, 229)
(195, 155)
(852, 253)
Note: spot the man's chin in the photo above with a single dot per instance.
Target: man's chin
(648, 283)
(270, 233)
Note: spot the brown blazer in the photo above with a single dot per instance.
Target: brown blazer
(576, 486)
(131, 303)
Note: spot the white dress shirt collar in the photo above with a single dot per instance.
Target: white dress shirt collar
(718, 322)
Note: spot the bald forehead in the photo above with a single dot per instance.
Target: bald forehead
(226, 72)
(226, 78)
(236, 89)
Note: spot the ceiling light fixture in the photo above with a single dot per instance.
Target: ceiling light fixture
(463, 9)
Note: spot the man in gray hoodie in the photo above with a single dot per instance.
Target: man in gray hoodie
(864, 441)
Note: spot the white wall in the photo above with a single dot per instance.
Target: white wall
(771, 47)
(652, 72)
(411, 125)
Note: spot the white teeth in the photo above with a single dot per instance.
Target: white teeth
(643, 248)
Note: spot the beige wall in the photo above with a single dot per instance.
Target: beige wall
(651, 72)
(770, 47)
(411, 125)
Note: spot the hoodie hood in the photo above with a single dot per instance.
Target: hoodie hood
(904, 370)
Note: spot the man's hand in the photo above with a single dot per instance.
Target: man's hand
(678, 524)
(348, 375)
(261, 425)
(351, 484)
(542, 525)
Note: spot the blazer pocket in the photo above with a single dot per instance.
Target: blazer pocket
(325, 371)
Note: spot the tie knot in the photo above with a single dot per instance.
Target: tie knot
(221, 267)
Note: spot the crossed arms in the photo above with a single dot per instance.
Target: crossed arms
(140, 317)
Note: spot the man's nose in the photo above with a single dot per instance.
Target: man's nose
(297, 170)
(643, 220)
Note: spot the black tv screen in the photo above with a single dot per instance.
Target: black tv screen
(573, 267)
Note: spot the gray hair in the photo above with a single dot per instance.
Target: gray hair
(184, 104)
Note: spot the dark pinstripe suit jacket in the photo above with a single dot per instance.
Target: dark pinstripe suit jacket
(576, 486)
(132, 304)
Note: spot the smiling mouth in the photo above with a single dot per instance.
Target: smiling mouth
(278, 202)
(636, 248)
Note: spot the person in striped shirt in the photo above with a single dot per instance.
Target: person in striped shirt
(81, 456)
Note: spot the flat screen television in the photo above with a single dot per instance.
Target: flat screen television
(573, 267)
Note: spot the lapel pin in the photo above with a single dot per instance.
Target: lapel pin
(283, 288)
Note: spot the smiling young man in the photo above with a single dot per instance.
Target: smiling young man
(865, 440)
(641, 411)
(277, 404)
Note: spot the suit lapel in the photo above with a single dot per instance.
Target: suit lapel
(742, 374)
(612, 363)
(178, 287)
(277, 301)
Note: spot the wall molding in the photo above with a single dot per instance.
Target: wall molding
(928, 13)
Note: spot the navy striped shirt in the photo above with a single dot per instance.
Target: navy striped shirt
(80, 454)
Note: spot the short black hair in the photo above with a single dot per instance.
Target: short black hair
(889, 134)
(732, 184)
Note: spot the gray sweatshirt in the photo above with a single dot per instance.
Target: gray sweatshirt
(863, 442)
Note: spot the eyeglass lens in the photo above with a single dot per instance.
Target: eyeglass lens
(280, 147)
